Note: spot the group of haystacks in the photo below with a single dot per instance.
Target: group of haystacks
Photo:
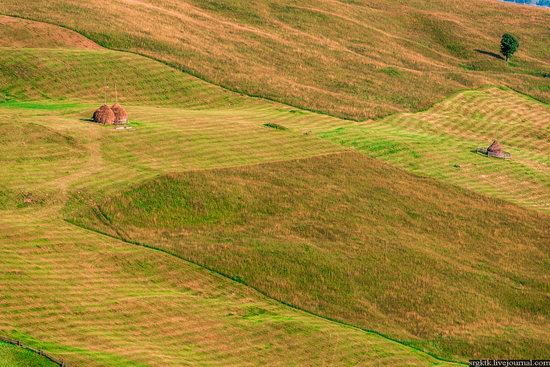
(113, 115)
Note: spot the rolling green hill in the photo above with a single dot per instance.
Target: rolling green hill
(242, 195)
(356, 240)
(350, 58)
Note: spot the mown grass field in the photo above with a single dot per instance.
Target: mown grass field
(97, 301)
(350, 58)
(273, 197)
(355, 240)
(12, 356)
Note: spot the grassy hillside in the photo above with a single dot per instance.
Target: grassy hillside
(220, 128)
(440, 142)
(95, 301)
(15, 32)
(350, 58)
(12, 356)
(271, 196)
(356, 240)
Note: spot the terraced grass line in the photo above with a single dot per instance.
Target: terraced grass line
(263, 293)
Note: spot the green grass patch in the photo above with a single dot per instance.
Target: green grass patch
(14, 356)
(275, 126)
(49, 106)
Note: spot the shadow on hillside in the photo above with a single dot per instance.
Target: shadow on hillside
(489, 53)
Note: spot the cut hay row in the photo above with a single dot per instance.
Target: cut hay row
(96, 301)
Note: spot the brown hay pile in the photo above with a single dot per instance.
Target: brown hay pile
(121, 117)
(104, 115)
(496, 148)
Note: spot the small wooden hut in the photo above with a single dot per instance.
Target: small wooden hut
(121, 117)
(104, 115)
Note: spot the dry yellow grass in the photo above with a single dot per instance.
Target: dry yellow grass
(354, 58)
(19, 33)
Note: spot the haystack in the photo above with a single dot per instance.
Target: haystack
(104, 115)
(495, 148)
(121, 117)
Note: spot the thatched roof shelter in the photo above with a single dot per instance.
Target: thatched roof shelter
(104, 115)
(121, 117)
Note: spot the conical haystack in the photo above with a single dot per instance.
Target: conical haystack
(121, 117)
(104, 115)
(495, 148)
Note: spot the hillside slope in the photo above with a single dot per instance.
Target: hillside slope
(350, 58)
(227, 171)
(359, 241)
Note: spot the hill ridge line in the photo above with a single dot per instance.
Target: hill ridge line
(281, 302)
(184, 69)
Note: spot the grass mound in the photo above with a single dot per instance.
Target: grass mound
(22, 142)
(354, 239)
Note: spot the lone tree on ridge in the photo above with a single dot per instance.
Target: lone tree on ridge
(509, 44)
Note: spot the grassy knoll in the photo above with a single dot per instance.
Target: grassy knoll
(12, 356)
(350, 58)
(356, 240)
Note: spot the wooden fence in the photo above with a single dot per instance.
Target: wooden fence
(18, 343)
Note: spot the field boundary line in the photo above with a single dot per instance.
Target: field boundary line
(267, 296)
(60, 362)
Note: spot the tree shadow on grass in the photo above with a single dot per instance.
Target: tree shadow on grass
(489, 53)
